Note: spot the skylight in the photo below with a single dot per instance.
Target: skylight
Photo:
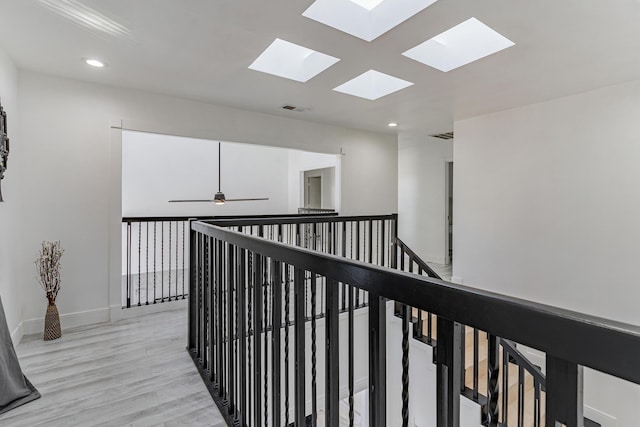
(466, 42)
(372, 85)
(365, 19)
(291, 61)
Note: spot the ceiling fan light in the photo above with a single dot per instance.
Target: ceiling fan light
(219, 198)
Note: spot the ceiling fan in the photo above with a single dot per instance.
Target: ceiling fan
(219, 198)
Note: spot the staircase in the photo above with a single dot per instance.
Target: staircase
(521, 383)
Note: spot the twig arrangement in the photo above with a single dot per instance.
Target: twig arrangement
(48, 268)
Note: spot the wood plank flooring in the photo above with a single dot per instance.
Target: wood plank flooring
(135, 372)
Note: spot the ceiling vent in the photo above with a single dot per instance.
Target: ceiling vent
(446, 135)
(294, 108)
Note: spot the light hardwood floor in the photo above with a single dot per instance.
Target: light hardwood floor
(135, 372)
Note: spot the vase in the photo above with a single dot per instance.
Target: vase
(52, 323)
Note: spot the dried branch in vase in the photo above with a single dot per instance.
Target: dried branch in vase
(48, 268)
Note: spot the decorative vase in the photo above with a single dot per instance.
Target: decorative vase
(52, 323)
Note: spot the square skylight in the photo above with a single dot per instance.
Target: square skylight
(291, 61)
(365, 19)
(466, 42)
(372, 85)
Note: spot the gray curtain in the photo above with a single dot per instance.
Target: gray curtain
(15, 389)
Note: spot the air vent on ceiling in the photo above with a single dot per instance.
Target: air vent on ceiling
(294, 108)
(446, 135)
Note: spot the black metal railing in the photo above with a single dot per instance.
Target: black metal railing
(259, 358)
(155, 266)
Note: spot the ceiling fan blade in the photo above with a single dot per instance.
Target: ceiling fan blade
(246, 200)
(194, 201)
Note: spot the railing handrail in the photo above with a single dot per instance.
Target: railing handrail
(416, 258)
(295, 219)
(220, 217)
(521, 360)
(559, 332)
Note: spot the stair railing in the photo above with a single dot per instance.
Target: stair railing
(498, 364)
(259, 377)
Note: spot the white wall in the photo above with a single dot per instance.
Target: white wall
(422, 219)
(10, 225)
(158, 168)
(547, 207)
(73, 172)
(300, 161)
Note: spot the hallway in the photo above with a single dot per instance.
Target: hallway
(134, 372)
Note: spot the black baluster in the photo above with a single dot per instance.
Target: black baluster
(230, 280)
(505, 386)
(169, 258)
(406, 323)
(162, 261)
(265, 315)
(287, 323)
(314, 388)
(351, 355)
(332, 358)
(448, 360)
(147, 265)
(476, 359)
(536, 403)
(564, 393)
(257, 343)
(276, 268)
(377, 361)
(139, 260)
(299, 328)
(193, 300)
(520, 396)
(183, 260)
(129, 265)
(493, 386)
(250, 285)
(241, 284)
(155, 250)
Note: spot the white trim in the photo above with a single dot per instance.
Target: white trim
(128, 313)
(17, 334)
(600, 417)
(69, 320)
(458, 280)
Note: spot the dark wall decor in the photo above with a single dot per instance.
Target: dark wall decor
(4, 146)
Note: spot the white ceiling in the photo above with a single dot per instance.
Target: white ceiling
(200, 49)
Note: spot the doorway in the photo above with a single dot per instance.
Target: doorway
(449, 212)
(313, 192)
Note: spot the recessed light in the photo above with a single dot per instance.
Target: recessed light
(466, 42)
(94, 62)
(291, 61)
(392, 124)
(365, 19)
(372, 85)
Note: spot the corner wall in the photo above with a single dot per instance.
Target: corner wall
(73, 175)
(10, 287)
(547, 207)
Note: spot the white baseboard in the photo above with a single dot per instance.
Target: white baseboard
(458, 280)
(16, 335)
(605, 420)
(128, 313)
(69, 320)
